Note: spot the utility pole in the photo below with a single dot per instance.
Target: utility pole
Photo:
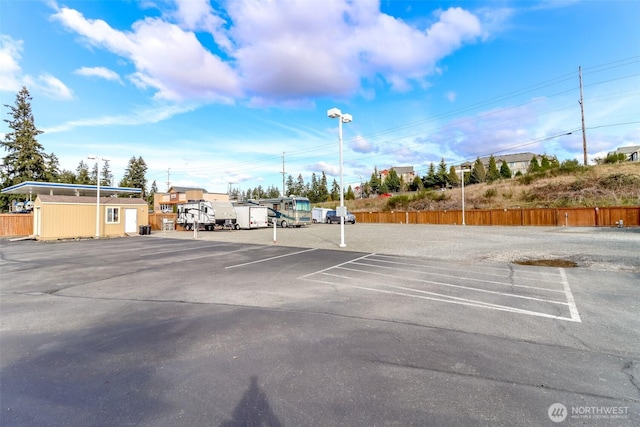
(283, 172)
(584, 133)
(168, 179)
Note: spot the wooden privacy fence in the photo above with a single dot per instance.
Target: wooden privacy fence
(572, 217)
(22, 224)
(16, 224)
(156, 220)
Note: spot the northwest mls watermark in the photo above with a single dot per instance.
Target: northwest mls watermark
(559, 412)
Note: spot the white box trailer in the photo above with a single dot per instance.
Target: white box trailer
(251, 216)
(206, 215)
(319, 215)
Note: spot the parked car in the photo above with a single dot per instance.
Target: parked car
(332, 216)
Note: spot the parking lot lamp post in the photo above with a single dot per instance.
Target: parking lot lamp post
(97, 159)
(335, 113)
(461, 170)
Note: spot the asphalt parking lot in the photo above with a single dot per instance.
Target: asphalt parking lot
(233, 329)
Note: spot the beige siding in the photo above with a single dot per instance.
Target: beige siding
(78, 220)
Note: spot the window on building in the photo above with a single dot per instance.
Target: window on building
(113, 215)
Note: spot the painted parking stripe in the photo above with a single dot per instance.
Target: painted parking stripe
(269, 259)
(367, 271)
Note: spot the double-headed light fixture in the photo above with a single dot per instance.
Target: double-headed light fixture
(335, 113)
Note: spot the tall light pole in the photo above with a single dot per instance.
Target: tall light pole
(461, 170)
(335, 113)
(97, 159)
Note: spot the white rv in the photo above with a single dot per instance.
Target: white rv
(205, 215)
(251, 216)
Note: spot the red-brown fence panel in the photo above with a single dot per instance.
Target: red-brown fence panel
(16, 224)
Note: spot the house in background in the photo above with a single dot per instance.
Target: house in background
(517, 162)
(406, 173)
(165, 202)
(632, 152)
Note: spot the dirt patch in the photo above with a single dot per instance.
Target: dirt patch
(561, 263)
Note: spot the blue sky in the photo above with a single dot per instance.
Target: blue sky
(216, 91)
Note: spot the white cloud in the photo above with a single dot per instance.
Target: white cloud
(101, 72)
(362, 145)
(281, 50)
(49, 85)
(143, 116)
(11, 78)
(168, 59)
(9, 63)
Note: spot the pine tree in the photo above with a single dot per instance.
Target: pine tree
(106, 177)
(300, 186)
(505, 172)
(323, 190)
(335, 191)
(430, 180)
(82, 173)
(291, 186)
(25, 157)
(393, 180)
(442, 175)
(534, 166)
(478, 172)
(135, 175)
(493, 174)
(374, 182)
(453, 176)
(52, 168)
(350, 195)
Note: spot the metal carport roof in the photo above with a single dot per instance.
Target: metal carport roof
(61, 189)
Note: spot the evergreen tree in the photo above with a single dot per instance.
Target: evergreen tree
(52, 168)
(323, 189)
(335, 191)
(106, 177)
(300, 186)
(430, 180)
(453, 176)
(416, 185)
(152, 192)
(505, 172)
(493, 174)
(67, 177)
(350, 195)
(25, 157)
(374, 182)
(478, 172)
(393, 180)
(290, 185)
(82, 173)
(442, 176)
(135, 175)
(534, 166)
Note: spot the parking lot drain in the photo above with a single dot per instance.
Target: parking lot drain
(561, 263)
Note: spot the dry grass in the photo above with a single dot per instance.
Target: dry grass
(602, 185)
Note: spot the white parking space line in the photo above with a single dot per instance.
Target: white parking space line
(573, 309)
(408, 279)
(177, 250)
(473, 279)
(269, 259)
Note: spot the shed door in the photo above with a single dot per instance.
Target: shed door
(130, 220)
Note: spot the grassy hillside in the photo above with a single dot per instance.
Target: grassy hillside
(601, 185)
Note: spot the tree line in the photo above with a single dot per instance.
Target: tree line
(26, 160)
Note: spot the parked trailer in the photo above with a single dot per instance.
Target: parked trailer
(206, 215)
(319, 215)
(249, 216)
